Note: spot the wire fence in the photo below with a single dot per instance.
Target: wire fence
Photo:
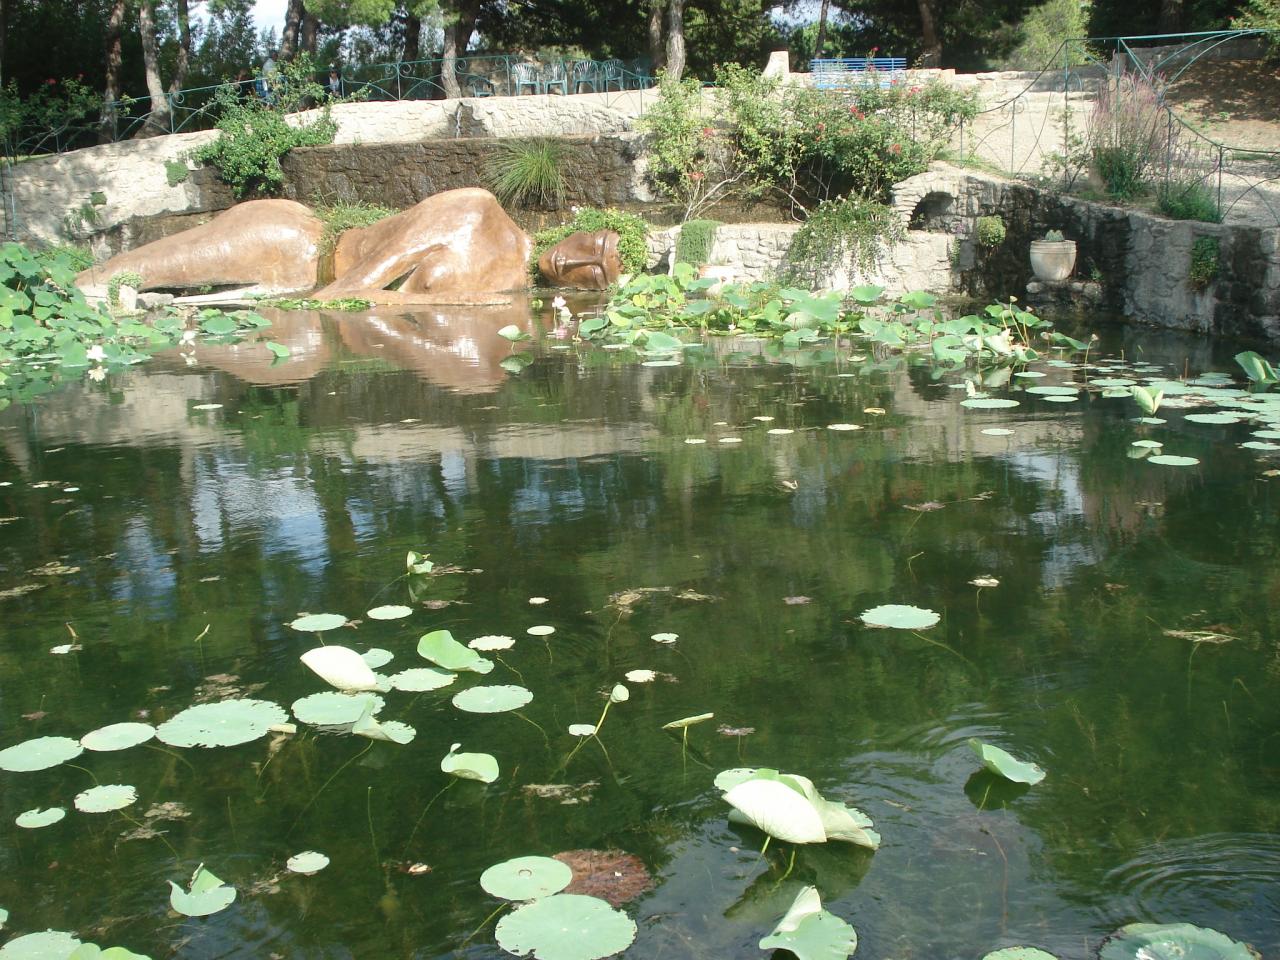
(1047, 127)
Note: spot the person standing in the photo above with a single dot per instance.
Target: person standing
(267, 82)
(334, 83)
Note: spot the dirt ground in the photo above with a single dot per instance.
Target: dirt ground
(1236, 102)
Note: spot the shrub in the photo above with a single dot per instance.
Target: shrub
(1203, 269)
(1182, 199)
(631, 231)
(341, 216)
(128, 279)
(175, 172)
(1041, 34)
(852, 230)
(1262, 15)
(73, 257)
(527, 172)
(693, 245)
(990, 232)
(1127, 132)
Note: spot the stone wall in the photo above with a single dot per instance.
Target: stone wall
(1140, 261)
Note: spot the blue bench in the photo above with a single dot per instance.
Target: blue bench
(841, 73)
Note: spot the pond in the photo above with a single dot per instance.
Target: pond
(160, 531)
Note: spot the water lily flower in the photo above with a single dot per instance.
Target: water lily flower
(558, 303)
(97, 374)
(96, 353)
(188, 336)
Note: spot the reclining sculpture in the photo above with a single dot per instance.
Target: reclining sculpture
(456, 244)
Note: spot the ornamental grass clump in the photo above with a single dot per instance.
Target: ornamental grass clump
(1128, 133)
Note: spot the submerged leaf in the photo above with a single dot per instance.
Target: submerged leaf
(611, 875)
(810, 932)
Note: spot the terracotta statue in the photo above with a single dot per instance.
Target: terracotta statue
(453, 246)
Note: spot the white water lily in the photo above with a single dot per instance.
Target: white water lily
(96, 353)
(97, 374)
(558, 302)
(341, 667)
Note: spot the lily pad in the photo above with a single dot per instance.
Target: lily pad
(1050, 391)
(988, 403)
(641, 676)
(493, 699)
(35, 819)
(582, 729)
(317, 622)
(1170, 460)
(810, 932)
(206, 894)
(997, 432)
(340, 667)
(224, 724)
(333, 709)
(1006, 765)
(525, 878)
(1172, 941)
(566, 926)
(441, 649)
(118, 736)
(48, 945)
(540, 631)
(900, 617)
(421, 679)
(684, 722)
(39, 754)
(843, 427)
(390, 612)
(470, 766)
(1148, 444)
(1020, 953)
(307, 862)
(376, 657)
(666, 637)
(392, 731)
(1214, 418)
(105, 798)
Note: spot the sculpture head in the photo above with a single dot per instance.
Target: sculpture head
(589, 261)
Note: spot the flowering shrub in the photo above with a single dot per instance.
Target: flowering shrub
(1128, 132)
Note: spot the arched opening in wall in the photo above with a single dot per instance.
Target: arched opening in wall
(935, 211)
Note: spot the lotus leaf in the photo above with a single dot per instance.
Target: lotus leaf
(4, 916)
(118, 736)
(316, 622)
(641, 676)
(48, 945)
(494, 642)
(1062, 398)
(1256, 367)
(1260, 445)
(441, 649)
(810, 932)
(540, 631)
(684, 722)
(525, 878)
(470, 766)
(391, 612)
(1002, 763)
(1172, 941)
(494, 699)
(340, 667)
(997, 432)
(224, 724)
(778, 810)
(988, 403)
(619, 694)
(1148, 398)
(1170, 460)
(206, 894)
(307, 862)
(105, 798)
(843, 427)
(834, 820)
(582, 729)
(34, 819)
(418, 563)
(566, 926)
(39, 754)
(1050, 391)
(1019, 953)
(1147, 444)
(333, 709)
(91, 951)
(376, 657)
(422, 679)
(1213, 418)
(392, 730)
(900, 617)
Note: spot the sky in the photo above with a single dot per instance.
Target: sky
(269, 13)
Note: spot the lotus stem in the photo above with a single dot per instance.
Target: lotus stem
(326, 784)
(422, 816)
(484, 923)
(177, 857)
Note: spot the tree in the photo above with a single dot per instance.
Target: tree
(675, 39)
(114, 62)
(159, 116)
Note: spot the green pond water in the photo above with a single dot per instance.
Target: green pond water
(172, 546)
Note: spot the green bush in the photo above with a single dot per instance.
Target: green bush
(254, 135)
(527, 172)
(631, 231)
(1041, 33)
(341, 216)
(73, 257)
(1188, 200)
(175, 172)
(1262, 15)
(694, 243)
(852, 230)
(1204, 262)
(990, 232)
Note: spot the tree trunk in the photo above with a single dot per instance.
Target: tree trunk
(412, 38)
(292, 23)
(931, 55)
(310, 32)
(158, 119)
(1170, 20)
(822, 30)
(114, 59)
(675, 40)
(457, 33)
(657, 50)
(182, 62)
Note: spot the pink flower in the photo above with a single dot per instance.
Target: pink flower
(708, 132)
(896, 149)
(821, 127)
(696, 175)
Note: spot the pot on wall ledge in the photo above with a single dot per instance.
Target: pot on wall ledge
(1053, 260)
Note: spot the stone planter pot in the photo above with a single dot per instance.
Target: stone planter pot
(1053, 260)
